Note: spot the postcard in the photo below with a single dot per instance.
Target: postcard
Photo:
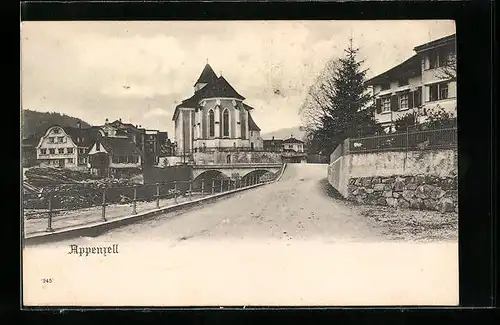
(239, 163)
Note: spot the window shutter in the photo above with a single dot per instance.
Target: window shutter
(410, 99)
(418, 97)
(378, 105)
(394, 103)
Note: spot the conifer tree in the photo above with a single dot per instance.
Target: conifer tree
(346, 111)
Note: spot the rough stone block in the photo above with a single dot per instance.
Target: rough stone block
(378, 187)
(402, 203)
(399, 186)
(411, 186)
(367, 182)
(430, 204)
(392, 202)
(451, 193)
(352, 181)
(387, 194)
(407, 194)
(424, 191)
(385, 180)
(388, 187)
(376, 180)
(445, 205)
(454, 184)
(437, 193)
(358, 182)
(419, 179)
(429, 179)
(396, 194)
(359, 191)
(381, 201)
(416, 203)
(369, 190)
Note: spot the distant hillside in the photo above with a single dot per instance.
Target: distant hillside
(285, 133)
(35, 123)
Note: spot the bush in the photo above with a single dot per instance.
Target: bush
(404, 122)
(439, 118)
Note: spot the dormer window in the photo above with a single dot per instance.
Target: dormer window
(57, 131)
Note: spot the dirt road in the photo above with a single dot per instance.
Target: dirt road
(286, 243)
(295, 208)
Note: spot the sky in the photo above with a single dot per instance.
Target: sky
(139, 71)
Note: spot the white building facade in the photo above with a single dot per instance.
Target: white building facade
(420, 84)
(65, 147)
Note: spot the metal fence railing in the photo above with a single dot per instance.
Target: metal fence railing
(52, 202)
(415, 140)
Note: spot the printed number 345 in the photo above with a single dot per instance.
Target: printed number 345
(46, 280)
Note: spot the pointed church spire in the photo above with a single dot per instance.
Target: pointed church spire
(207, 75)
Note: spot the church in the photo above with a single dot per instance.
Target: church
(215, 118)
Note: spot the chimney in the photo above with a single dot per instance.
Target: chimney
(106, 122)
(273, 137)
(78, 124)
(120, 119)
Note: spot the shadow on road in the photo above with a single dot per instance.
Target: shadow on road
(329, 190)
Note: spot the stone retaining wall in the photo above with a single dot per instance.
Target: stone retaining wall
(423, 192)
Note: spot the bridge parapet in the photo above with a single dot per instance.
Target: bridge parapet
(237, 165)
(240, 169)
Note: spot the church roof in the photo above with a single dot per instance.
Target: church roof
(252, 126)
(207, 75)
(219, 88)
(216, 87)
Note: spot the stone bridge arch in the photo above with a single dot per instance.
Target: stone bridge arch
(207, 178)
(258, 174)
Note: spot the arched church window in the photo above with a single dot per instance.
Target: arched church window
(225, 123)
(211, 123)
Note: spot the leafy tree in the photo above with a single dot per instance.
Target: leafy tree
(338, 105)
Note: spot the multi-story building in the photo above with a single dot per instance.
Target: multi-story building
(154, 144)
(215, 118)
(421, 83)
(65, 146)
(293, 150)
(273, 145)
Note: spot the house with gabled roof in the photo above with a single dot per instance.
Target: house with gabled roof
(214, 118)
(293, 150)
(64, 146)
(115, 155)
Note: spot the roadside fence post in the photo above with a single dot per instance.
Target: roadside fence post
(175, 192)
(157, 195)
(104, 204)
(202, 186)
(221, 182)
(190, 190)
(134, 202)
(49, 225)
(213, 186)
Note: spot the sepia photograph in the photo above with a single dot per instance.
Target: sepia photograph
(239, 163)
